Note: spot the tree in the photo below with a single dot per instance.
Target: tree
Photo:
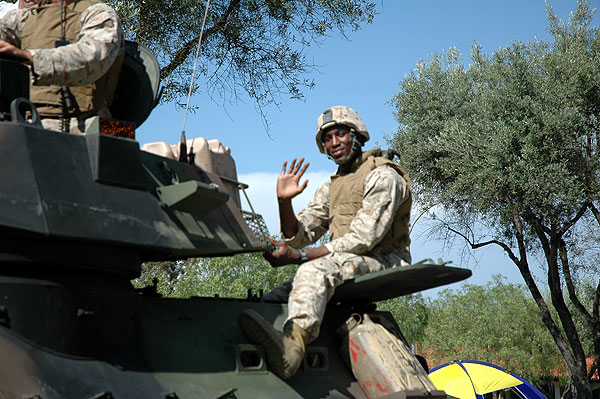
(505, 153)
(252, 46)
(495, 323)
(230, 276)
(412, 313)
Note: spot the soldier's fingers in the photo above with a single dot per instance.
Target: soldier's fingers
(276, 243)
(284, 166)
(304, 169)
(292, 166)
(299, 165)
(304, 185)
(268, 256)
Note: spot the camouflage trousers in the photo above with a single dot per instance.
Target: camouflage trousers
(314, 284)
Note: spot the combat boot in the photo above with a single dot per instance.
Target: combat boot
(284, 351)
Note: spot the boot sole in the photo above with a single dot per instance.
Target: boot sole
(259, 332)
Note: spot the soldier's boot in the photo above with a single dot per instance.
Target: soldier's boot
(284, 351)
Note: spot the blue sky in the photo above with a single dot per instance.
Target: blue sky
(364, 73)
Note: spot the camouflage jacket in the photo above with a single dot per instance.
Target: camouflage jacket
(6, 7)
(384, 191)
(79, 63)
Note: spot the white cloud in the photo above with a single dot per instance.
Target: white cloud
(264, 199)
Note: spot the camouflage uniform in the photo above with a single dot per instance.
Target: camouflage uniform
(99, 42)
(353, 254)
(6, 7)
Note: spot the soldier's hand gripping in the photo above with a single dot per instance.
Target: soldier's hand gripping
(288, 182)
(19, 54)
(282, 256)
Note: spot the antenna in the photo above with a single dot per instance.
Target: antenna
(182, 142)
(62, 19)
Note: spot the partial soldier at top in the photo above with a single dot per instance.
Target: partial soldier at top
(365, 207)
(83, 51)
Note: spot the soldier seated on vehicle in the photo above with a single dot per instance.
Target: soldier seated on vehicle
(87, 59)
(366, 209)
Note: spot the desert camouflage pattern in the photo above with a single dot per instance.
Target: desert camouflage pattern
(5, 7)
(384, 191)
(79, 63)
(354, 254)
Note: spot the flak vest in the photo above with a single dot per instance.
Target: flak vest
(345, 200)
(40, 31)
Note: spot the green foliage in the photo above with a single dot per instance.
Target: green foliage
(517, 128)
(505, 151)
(227, 277)
(497, 323)
(252, 46)
(412, 314)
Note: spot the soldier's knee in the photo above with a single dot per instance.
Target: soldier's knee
(321, 265)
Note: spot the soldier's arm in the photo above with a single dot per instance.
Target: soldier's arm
(11, 25)
(311, 224)
(287, 218)
(85, 61)
(288, 187)
(284, 255)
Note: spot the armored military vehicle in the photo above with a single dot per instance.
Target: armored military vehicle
(78, 216)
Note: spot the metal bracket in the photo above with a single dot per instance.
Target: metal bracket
(192, 197)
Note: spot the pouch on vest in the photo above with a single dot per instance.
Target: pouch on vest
(381, 362)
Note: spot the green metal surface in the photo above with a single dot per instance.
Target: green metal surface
(143, 346)
(102, 189)
(80, 213)
(14, 83)
(138, 88)
(398, 281)
(192, 197)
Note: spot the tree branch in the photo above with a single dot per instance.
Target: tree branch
(595, 211)
(474, 245)
(566, 269)
(596, 303)
(551, 251)
(575, 219)
(523, 266)
(183, 53)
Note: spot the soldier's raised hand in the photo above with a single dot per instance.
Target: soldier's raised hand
(288, 182)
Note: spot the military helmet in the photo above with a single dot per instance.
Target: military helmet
(340, 115)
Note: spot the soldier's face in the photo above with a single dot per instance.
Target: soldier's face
(337, 142)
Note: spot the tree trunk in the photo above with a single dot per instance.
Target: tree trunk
(580, 387)
(573, 351)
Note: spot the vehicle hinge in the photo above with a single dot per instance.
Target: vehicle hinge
(4, 318)
(227, 394)
(103, 395)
